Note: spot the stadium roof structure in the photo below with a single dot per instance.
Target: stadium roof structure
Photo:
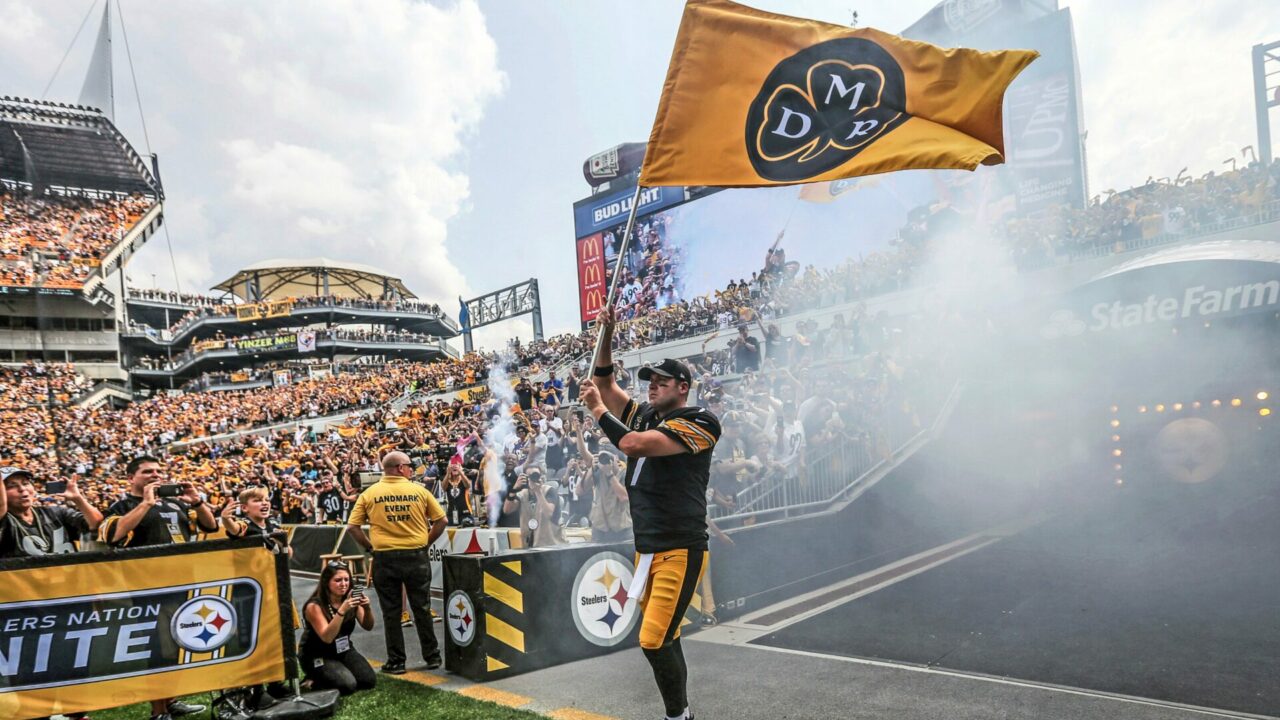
(1264, 251)
(279, 279)
(48, 144)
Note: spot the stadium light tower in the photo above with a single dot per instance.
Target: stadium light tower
(1266, 92)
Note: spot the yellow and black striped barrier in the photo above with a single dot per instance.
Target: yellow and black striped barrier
(529, 609)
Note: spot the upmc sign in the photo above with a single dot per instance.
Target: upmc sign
(592, 286)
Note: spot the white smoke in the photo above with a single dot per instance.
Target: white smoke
(501, 431)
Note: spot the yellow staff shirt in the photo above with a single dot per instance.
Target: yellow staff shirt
(398, 512)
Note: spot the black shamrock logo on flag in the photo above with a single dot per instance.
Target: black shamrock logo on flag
(822, 106)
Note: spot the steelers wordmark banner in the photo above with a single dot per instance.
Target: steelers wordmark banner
(99, 631)
(754, 98)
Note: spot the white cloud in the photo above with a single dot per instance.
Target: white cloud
(1167, 84)
(288, 129)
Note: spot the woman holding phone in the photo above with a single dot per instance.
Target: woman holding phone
(329, 658)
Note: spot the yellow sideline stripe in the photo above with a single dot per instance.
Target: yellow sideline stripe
(423, 678)
(576, 714)
(493, 695)
(504, 593)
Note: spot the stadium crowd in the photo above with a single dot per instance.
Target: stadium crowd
(56, 241)
(204, 306)
(870, 367)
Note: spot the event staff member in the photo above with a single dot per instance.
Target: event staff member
(668, 445)
(405, 520)
(144, 518)
(329, 659)
(26, 529)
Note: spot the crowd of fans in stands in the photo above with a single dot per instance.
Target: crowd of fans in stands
(204, 306)
(786, 399)
(56, 241)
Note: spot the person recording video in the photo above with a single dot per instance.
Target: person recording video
(329, 658)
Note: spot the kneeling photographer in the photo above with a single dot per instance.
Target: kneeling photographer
(329, 659)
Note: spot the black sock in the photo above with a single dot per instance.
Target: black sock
(684, 673)
(669, 671)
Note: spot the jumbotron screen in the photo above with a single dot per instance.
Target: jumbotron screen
(685, 245)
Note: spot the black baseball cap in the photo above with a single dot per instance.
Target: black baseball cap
(670, 367)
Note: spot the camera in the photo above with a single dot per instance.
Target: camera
(168, 490)
(53, 487)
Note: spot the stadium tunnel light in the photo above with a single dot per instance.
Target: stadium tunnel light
(1115, 438)
(1142, 408)
(1177, 407)
(1216, 403)
(1160, 408)
(1195, 405)
(1115, 423)
(1264, 412)
(1236, 402)
(1119, 481)
(1263, 395)
(1117, 452)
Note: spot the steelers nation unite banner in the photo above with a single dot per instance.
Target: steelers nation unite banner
(87, 631)
(753, 98)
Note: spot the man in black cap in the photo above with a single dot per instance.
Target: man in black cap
(668, 445)
(30, 529)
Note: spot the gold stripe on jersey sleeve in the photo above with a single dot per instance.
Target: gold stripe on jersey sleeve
(693, 436)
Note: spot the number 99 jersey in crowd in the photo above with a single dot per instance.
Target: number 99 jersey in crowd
(668, 494)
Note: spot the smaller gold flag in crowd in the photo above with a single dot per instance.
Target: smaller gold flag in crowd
(753, 98)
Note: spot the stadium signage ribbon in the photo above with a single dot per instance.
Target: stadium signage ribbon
(267, 344)
(597, 214)
(1198, 301)
(90, 632)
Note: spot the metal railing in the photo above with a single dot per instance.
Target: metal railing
(834, 472)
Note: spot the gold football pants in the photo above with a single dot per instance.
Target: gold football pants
(673, 578)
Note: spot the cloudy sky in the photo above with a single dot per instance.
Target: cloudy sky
(443, 141)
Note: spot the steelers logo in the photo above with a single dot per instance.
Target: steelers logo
(203, 623)
(602, 612)
(1191, 450)
(460, 618)
(822, 106)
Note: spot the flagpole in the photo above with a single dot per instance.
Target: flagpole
(617, 272)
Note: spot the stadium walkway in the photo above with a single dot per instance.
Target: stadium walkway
(753, 682)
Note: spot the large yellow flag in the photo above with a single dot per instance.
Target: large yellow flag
(753, 98)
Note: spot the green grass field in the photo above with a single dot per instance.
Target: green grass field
(393, 700)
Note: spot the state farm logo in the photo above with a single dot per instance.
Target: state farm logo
(602, 611)
(1062, 323)
(461, 618)
(821, 107)
(203, 623)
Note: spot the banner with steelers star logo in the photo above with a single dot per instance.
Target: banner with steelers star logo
(86, 631)
(528, 609)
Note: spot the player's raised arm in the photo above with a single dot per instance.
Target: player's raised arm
(615, 398)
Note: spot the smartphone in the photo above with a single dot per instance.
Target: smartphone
(168, 490)
(53, 487)
(357, 590)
